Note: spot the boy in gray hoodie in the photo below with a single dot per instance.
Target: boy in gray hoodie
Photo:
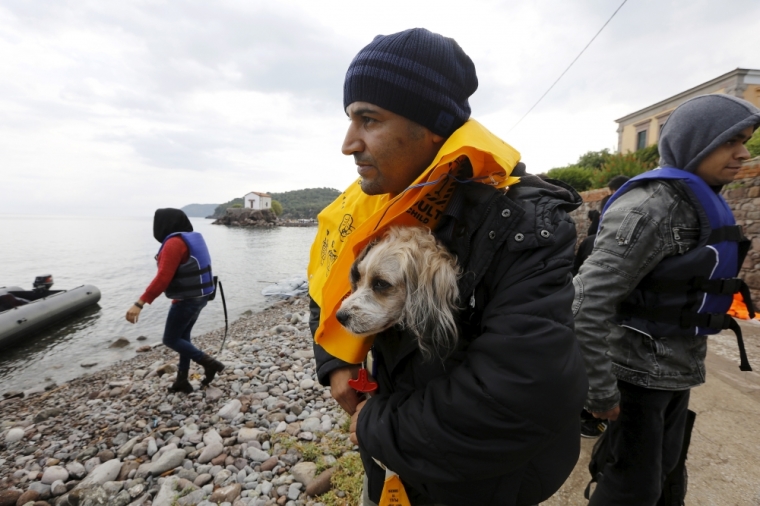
(659, 280)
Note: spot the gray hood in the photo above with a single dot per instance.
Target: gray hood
(699, 125)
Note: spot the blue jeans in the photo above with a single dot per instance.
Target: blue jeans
(182, 316)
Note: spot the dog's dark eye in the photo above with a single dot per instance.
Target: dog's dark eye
(379, 285)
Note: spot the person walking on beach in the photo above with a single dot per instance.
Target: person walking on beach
(493, 420)
(659, 280)
(184, 275)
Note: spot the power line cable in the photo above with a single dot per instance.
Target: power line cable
(568, 67)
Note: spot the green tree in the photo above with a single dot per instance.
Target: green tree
(577, 177)
(593, 159)
(753, 145)
(236, 206)
(306, 203)
(276, 207)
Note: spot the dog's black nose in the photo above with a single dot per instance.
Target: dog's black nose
(343, 316)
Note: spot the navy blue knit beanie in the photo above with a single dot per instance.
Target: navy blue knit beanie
(420, 75)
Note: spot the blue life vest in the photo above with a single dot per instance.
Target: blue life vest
(193, 278)
(689, 294)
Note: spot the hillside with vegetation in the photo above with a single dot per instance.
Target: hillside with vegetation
(296, 204)
(199, 210)
(304, 204)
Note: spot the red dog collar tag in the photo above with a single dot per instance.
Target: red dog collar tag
(363, 383)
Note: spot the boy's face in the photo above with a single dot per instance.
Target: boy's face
(721, 166)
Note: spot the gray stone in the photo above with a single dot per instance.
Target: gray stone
(211, 451)
(113, 487)
(136, 490)
(212, 436)
(54, 473)
(247, 434)
(14, 435)
(202, 479)
(230, 410)
(221, 477)
(107, 471)
(167, 493)
(226, 494)
(311, 424)
(304, 472)
(76, 470)
(169, 460)
(91, 464)
(294, 490)
(120, 343)
(122, 499)
(213, 394)
(127, 447)
(152, 447)
(41, 488)
(192, 498)
(58, 488)
(257, 455)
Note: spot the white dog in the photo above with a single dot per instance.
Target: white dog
(407, 279)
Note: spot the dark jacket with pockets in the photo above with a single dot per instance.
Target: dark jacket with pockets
(497, 421)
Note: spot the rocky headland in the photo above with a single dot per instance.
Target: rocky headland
(263, 433)
(252, 218)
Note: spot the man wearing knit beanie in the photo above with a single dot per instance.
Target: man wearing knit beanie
(493, 418)
(660, 279)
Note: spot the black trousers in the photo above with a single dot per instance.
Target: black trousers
(645, 444)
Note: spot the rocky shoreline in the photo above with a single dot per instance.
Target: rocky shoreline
(251, 218)
(263, 433)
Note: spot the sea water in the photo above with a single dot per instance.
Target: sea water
(117, 256)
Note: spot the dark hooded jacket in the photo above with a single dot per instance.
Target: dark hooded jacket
(647, 224)
(496, 422)
(169, 221)
(587, 245)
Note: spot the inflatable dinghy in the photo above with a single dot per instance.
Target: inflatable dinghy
(23, 313)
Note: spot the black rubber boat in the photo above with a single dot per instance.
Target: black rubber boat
(25, 312)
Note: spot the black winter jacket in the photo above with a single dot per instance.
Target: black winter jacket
(497, 423)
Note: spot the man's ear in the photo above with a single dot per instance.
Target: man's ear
(438, 139)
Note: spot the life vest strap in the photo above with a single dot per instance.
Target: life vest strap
(731, 233)
(198, 287)
(721, 286)
(689, 319)
(192, 274)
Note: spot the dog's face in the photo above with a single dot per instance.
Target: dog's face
(406, 278)
(378, 291)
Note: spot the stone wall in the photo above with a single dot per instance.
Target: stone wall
(743, 195)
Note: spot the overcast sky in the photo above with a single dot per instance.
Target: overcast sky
(117, 108)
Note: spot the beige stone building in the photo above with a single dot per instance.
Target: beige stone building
(642, 128)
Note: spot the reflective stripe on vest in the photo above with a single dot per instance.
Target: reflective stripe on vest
(194, 277)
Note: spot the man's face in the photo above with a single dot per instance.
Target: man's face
(721, 166)
(390, 151)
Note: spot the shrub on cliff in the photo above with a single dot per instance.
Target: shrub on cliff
(276, 207)
(629, 164)
(753, 145)
(577, 177)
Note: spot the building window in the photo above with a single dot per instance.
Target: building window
(641, 139)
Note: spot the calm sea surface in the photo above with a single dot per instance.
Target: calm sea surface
(117, 256)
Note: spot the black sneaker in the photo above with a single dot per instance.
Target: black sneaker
(592, 428)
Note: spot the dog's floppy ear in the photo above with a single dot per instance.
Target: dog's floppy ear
(354, 275)
(431, 298)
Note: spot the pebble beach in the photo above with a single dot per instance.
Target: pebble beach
(263, 433)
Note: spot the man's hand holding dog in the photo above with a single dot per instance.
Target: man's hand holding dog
(354, 420)
(347, 397)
